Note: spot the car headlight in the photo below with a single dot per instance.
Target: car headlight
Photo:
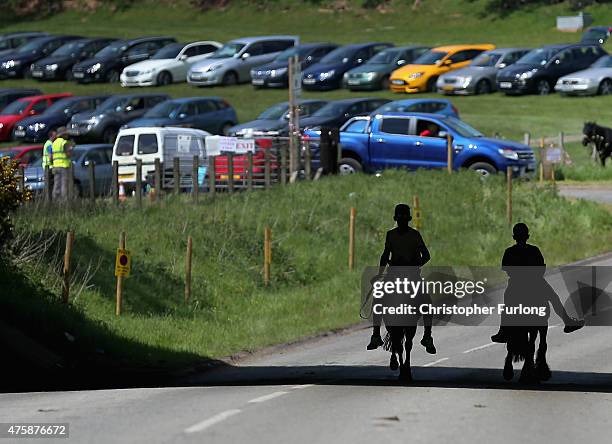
(415, 75)
(1, 125)
(528, 74)
(94, 68)
(37, 126)
(214, 67)
(93, 121)
(52, 67)
(278, 72)
(147, 71)
(327, 75)
(10, 64)
(508, 153)
(370, 75)
(465, 81)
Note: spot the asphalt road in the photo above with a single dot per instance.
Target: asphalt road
(602, 194)
(332, 390)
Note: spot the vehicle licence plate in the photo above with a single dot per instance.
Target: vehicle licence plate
(397, 82)
(19, 133)
(37, 73)
(354, 82)
(448, 88)
(78, 75)
(309, 81)
(505, 85)
(126, 176)
(257, 81)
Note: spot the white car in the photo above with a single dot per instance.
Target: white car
(169, 65)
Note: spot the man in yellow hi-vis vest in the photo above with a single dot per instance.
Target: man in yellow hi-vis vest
(47, 152)
(60, 161)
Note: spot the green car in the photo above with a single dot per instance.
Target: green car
(374, 74)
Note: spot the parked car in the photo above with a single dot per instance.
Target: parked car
(9, 95)
(16, 64)
(423, 73)
(419, 140)
(276, 73)
(169, 65)
(106, 65)
(82, 155)
(103, 123)
(232, 63)
(539, 69)
(596, 34)
(335, 113)
(25, 155)
(211, 114)
(479, 76)
(596, 79)
(58, 66)
(433, 106)
(276, 118)
(37, 128)
(25, 107)
(374, 74)
(11, 41)
(328, 73)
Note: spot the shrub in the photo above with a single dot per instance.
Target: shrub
(10, 198)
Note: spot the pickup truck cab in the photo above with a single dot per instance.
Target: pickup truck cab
(419, 140)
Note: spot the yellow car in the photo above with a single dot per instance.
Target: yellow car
(421, 75)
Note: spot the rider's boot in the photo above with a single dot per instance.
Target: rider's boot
(499, 337)
(428, 343)
(375, 342)
(573, 325)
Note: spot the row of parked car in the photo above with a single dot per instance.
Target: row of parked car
(578, 68)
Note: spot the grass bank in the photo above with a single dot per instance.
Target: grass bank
(311, 289)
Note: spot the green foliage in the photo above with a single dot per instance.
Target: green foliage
(10, 199)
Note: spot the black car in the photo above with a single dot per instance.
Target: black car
(328, 73)
(36, 128)
(276, 118)
(10, 42)
(107, 64)
(9, 95)
(539, 69)
(17, 63)
(335, 113)
(596, 34)
(103, 123)
(59, 64)
(275, 73)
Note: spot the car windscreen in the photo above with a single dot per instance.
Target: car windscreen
(5, 44)
(430, 58)
(169, 51)
(603, 62)
(275, 112)
(114, 49)
(228, 50)
(462, 128)
(111, 104)
(125, 146)
(289, 52)
(164, 109)
(59, 106)
(330, 110)
(70, 48)
(593, 35)
(538, 56)
(17, 107)
(342, 54)
(486, 59)
(31, 46)
(384, 57)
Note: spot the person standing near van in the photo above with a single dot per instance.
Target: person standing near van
(60, 162)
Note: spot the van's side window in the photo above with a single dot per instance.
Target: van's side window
(125, 146)
(147, 144)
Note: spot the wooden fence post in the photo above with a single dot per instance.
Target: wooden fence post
(176, 175)
(195, 178)
(509, 198)
(139, 182)
(159, 184)
(351, 258)
(283, 162)
(188, 269)
(527, 139)
(267, 255)
(416, 213)
(230, 172)
(267, 166)
(92, 180)
(115, 185)
(250, 171)
(449, 154)
(119, 300)
(212, 176)
(66, 271)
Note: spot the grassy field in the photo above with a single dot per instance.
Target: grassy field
(311, 290)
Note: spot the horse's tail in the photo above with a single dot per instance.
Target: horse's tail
(518, 344)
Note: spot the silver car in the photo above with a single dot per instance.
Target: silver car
(479, 76)
(232, 63)
(597, 79)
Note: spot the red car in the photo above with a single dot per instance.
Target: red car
(26, 155)
(22, 108)
(241, 163)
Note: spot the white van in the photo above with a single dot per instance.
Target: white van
(163, 143)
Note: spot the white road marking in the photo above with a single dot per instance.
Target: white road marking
(303, 386)
(211, 421)
(435, 362)
(480, 347)
(265, 398)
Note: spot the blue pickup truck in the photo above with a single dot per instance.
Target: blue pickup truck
(419, 140)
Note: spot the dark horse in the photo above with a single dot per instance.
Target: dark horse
(521, 347)
(600, 137)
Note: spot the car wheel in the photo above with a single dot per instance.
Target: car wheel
(483, 87)
(230, 78)
(543, 87)
(483, 168)
(109, 135)
(164, 78)
(431, 84)
(348, 166)
(605, 87)
(385, 83)
(112, 76)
